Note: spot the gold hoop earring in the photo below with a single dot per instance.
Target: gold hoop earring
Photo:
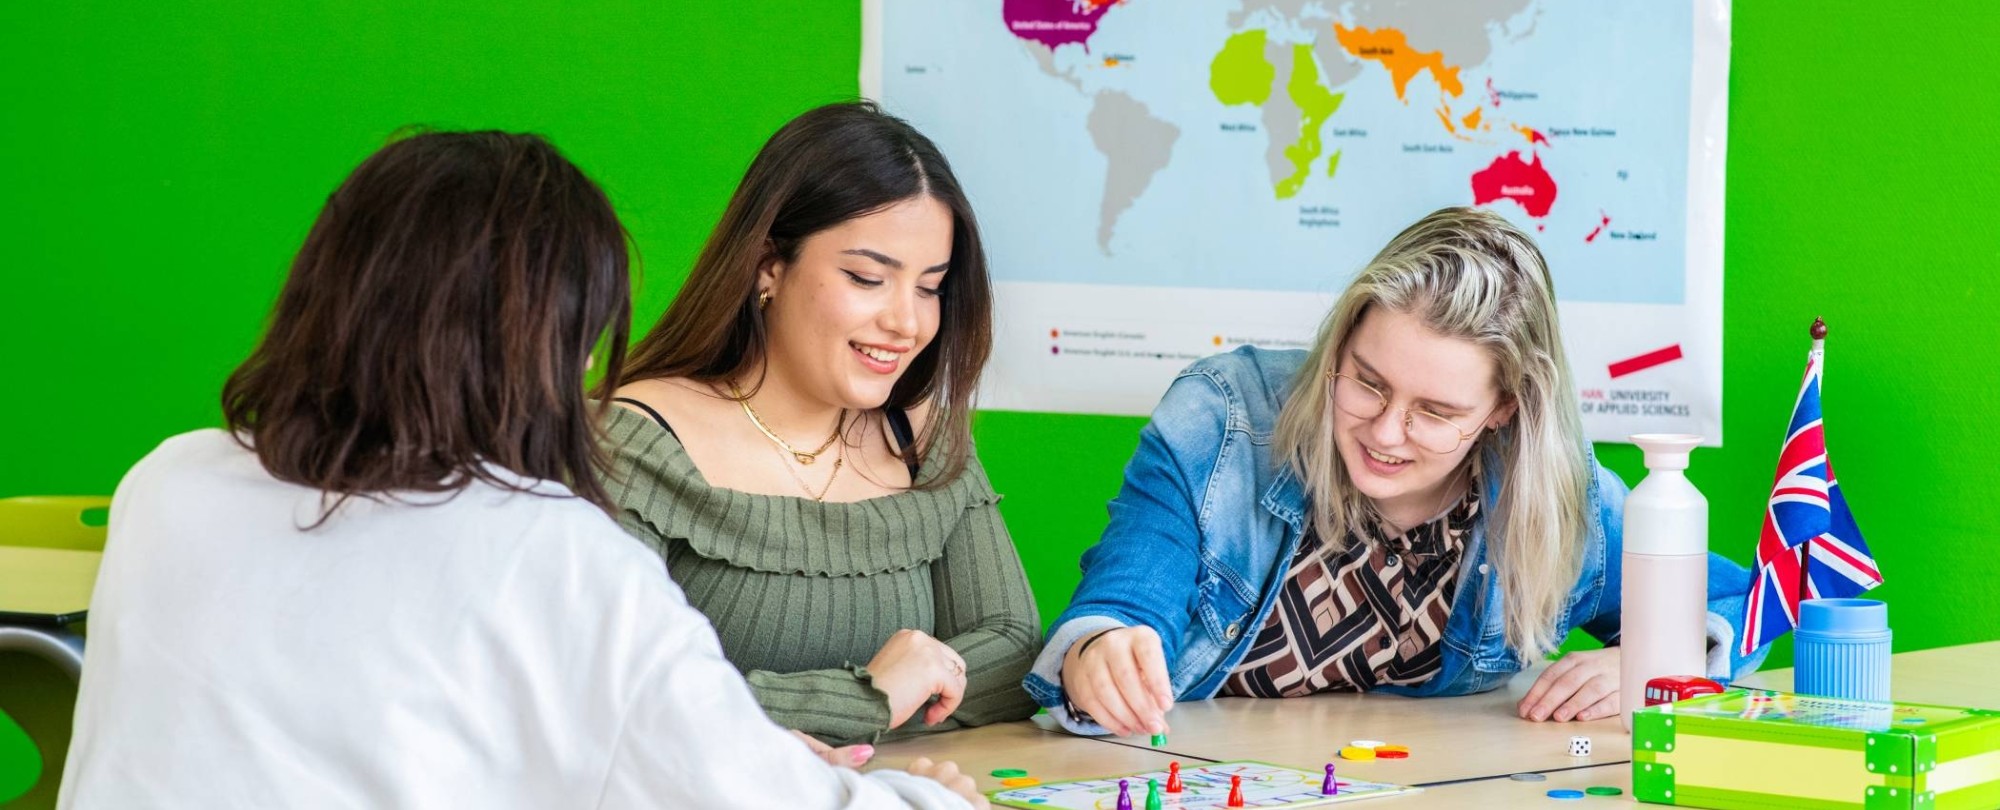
(763, 300)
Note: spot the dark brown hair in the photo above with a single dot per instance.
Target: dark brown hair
(828, 166)
(438, 319)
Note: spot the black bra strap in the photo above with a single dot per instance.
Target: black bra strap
(906, 439)
(650, 412)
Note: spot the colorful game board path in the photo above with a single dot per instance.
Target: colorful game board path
(1218, 785)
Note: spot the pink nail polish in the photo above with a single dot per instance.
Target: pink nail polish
(862, 753)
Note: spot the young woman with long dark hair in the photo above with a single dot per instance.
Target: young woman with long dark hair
(795, 440)
(392, 581)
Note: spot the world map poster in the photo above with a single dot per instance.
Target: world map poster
(1160, 181)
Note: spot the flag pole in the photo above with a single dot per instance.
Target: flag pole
(1818, 333)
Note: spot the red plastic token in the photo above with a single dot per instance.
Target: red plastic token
(1380, 754)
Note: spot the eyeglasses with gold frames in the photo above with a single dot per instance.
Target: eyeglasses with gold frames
(1425, 429)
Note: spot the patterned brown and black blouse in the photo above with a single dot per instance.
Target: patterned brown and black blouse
(1371, 614)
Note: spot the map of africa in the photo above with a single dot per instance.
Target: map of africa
(1276, 145)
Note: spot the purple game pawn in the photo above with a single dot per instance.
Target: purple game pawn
(1124, 795)
(1329, 787)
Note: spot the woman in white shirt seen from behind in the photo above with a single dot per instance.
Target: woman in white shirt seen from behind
(392, 581)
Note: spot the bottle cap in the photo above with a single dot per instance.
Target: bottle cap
(1665, 515)
(1843, 617)
(1666, 451)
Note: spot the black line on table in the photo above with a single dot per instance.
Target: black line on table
(1507, 775)
(1158, 750)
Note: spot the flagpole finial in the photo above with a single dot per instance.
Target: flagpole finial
(1819, 329)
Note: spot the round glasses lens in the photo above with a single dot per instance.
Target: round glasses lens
(1431, 432)
(1356, 399)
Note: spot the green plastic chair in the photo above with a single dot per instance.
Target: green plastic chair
(53, 521)
(41, 695)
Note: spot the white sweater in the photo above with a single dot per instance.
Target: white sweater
(494, 650)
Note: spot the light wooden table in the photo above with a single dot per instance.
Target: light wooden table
(50, 583)
(1045, 753)
(1449, 738)
(1966, 675)
(1462, 749)
(44, 595)
(1505, 792)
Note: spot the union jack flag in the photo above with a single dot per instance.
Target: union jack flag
(1810, 547)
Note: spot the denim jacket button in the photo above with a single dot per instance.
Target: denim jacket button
(1482, 568)
(1231, 632)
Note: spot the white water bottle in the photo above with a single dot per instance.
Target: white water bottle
(1664, 616)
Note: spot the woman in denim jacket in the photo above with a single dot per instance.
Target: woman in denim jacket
(1409, 508)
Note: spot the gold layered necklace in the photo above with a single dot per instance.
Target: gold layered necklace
(804, 458)
(820, 496)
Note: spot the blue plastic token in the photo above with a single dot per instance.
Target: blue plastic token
(1565, 794)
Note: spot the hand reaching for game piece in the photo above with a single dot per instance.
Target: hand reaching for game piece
(1582, 685)
(1119, 677)
(946, 773)
(846, 756)
(910, 668)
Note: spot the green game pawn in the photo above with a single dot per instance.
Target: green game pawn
(1153, 794)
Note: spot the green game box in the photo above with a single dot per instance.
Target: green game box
(1760, 750)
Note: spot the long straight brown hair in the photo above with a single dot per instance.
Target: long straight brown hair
(830, 165)
(438, 319)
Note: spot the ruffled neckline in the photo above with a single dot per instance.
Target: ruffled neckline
(780, 533)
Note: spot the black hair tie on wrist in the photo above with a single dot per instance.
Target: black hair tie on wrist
(1093, 640)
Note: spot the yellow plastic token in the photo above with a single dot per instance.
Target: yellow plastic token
(1357, 752)
(1020, 781)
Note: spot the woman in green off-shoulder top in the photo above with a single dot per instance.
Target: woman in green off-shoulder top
(796, 445)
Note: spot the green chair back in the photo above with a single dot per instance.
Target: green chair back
(54, 521)
(20, 760)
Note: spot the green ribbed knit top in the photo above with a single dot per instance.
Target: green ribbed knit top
(804, 593)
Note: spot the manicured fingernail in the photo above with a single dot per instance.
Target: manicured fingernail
(862, 753)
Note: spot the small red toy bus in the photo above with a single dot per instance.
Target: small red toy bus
(1674, 688)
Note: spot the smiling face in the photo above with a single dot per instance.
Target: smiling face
(1416, 369)
(859, 303)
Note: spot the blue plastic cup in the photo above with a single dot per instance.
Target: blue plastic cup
(1841, 649)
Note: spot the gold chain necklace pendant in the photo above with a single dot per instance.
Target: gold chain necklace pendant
(820, 496)
(803, 457)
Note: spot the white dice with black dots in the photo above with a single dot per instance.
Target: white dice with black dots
(1579, 746)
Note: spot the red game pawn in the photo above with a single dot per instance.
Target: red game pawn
(1235, 791)
(1173, 777)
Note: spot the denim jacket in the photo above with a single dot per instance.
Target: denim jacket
(1208, 516)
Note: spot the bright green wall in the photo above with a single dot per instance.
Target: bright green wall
(161, 162)
(161, 165)
(1857, 192)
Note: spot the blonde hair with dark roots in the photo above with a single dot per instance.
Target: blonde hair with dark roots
(1470, 275)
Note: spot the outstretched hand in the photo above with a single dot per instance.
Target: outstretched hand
(1119, 677)
(1582, 685)
(846, 756)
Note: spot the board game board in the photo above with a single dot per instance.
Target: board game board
(1204, 787)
